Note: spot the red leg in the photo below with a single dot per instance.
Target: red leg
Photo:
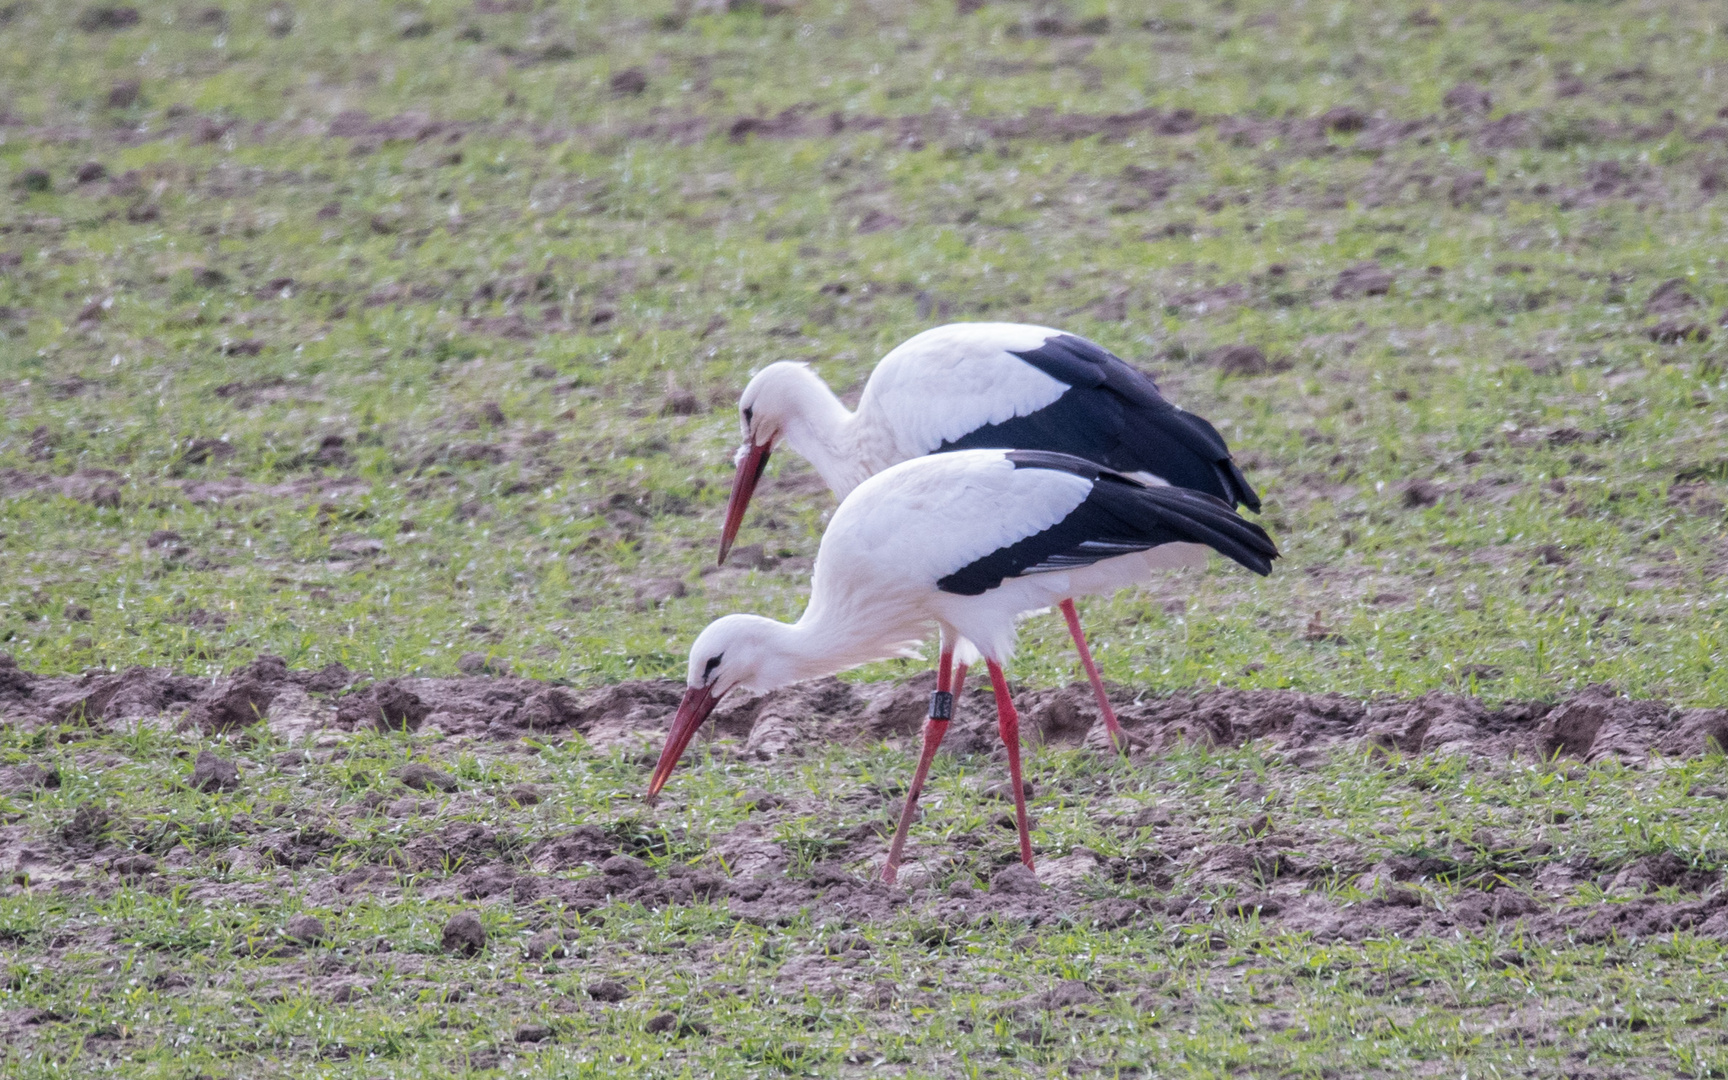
(934, 729)
(1008, 723)
(1118, 737)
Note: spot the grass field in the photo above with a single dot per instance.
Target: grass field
(407, 338)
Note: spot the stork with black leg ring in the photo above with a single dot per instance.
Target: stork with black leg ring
(987, 385)
(967, 541)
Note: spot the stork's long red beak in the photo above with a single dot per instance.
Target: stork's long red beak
(750, 465)
(698, 702)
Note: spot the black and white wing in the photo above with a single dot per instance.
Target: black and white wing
(1012, 386)
(1117, 516)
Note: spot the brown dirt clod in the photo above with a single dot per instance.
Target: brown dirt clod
(1420, 493)
(21, 779)
(463, 935)
(479, 663)
(13, 682)
(211, 773)
(550, 709)
(762, 801)
(1003, 790)
(1015, 880)
(610, 991)
(135, 692)
(388, 706)
(89, 822)
(521, 795)
(1670, 298)
(1676, 331)
(1344, 118)
(545, 945)
(626, 870)
(680, 402)
(1469, 97)
(1366, 278)
(423, 777)
(243, 700)
(1240, 359)
(100, 17)
(306, 929)
(123, 95)
(628, 82)
(133, 866)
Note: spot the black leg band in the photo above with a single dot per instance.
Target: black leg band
(941, 705)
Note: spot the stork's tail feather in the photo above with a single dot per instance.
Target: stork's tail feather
(1241, 491)
(1206, 519)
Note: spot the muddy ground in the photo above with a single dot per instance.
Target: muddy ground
(302, 705)
(312, 714)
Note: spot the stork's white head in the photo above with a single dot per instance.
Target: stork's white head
(782, 396)
(741, 650)
(774, 399)
(737, 650)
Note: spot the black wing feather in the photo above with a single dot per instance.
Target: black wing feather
(1114, 415)
(1118, 517)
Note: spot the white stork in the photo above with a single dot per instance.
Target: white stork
(977, 385)
(968, 541)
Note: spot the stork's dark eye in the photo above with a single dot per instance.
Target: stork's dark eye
(749, 414)
(708, 669)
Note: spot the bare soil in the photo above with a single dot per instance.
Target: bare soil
(1592, 725)
(1270, 873)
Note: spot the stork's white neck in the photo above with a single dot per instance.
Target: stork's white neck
(821, 429)
(836, 632)
(813, 647)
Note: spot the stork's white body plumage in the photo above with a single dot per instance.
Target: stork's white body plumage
(966, 541)
(953, 386)
(883, 548)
